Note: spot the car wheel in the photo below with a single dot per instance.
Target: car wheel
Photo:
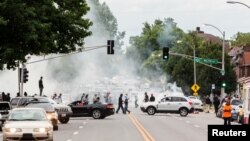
(151, 110)
(96, 114)
(64, 120)
(55, 128)
(183, 112)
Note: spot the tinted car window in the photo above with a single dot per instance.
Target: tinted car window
(14, 101)
(178, 99)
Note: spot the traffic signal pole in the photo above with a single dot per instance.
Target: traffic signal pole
(21, 87)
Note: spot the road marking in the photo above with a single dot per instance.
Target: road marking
(69, 140)
(145, 134)
(75, 133)
(80, 127)
(197, 126)
(187, 121)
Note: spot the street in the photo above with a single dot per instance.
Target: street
(138, 126)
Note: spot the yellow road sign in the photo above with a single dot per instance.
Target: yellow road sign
(195, 94)
(195, 88)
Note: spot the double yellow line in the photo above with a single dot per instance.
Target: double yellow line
(145, 134)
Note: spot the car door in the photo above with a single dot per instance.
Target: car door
(176, 103)
(164, 104)
(78, 109)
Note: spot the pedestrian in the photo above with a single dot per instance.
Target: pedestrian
(25, 94)
(120, 102)
(8, 97)
(145, 97)
(17, 94)
(83, 98)
(208, 102)
(216, 104)
(54, 97)
(152, 98)
(126, 104)
(95, 98)
(41, 85)
(59, 98)
(136, 100)
(86, 99)
(227, 115)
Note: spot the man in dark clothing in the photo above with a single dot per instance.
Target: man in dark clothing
(120, 101)
(146, 97)
(41, 85)
(216, 104)
(152, 98)
(126, 104)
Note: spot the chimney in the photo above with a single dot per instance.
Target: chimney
(199, 30)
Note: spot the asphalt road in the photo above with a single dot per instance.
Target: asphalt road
(137, 126)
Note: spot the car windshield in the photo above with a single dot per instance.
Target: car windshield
(27, 115)
(46, 106)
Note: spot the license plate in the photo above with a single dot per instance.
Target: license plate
(63, 115)
(27, 136)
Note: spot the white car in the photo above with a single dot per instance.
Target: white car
(169, 104)
(28, 124)
(197, 103)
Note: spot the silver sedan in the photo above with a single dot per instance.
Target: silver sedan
(28, 124)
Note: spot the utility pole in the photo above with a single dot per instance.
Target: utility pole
(194, 67)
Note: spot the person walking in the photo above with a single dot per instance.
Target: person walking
(120, 102)
(227, 115)
(126, 104)
(41, 85)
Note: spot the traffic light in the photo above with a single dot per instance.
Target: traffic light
(25, 75)
(110, 47)
(223, 83)
(165, 53)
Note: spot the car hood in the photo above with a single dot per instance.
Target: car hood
(60, 106)
(27, 124)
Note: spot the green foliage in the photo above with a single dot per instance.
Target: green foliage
(241, 39)
(40, 27)
(147, 49)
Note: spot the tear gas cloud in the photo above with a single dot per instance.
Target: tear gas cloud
(92, 72)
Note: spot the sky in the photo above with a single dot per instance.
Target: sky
(188, 14)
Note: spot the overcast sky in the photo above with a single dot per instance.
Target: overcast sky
(188, 14)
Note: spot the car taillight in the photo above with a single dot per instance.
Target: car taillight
(109, 106)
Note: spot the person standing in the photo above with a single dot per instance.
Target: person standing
(216, 104)
(208, 102)
(120, 101)
(227, 115)
(152, 98)
(145, 97)
(136, 100)
(59, 99)
(41, 85)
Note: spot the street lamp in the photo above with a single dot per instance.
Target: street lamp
(223, 54)
(236, 2)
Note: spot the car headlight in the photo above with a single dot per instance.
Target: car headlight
(42, 130)
(12, 130)
(52, 115)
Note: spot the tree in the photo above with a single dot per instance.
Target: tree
(241, 39)
(40, 27)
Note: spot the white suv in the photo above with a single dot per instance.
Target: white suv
(169, 104)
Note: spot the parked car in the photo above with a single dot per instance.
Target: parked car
(64, 112)
(28, 124)
(170, 104)
(50, 111)
(96, 110)
(4, 112)
(197, 103)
